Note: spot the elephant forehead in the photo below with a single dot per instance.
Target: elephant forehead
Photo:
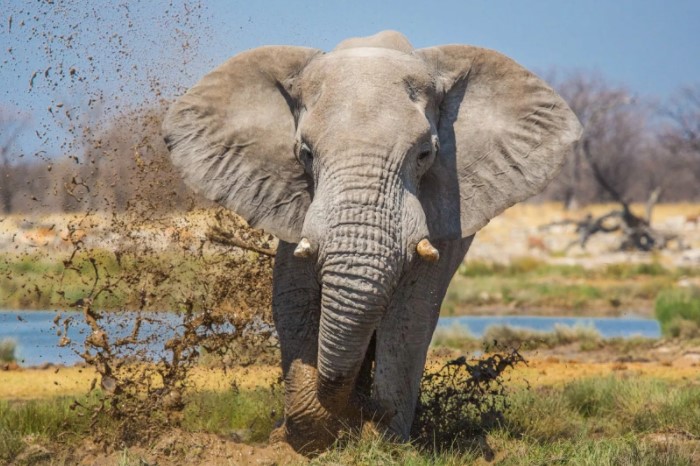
(369, 91)
(368, 72)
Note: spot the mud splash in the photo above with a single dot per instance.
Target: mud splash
(462, 401)
(137, 241)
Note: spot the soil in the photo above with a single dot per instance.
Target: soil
(175, 447)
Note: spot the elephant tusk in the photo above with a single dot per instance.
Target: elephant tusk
(303, 249)
(427, 251)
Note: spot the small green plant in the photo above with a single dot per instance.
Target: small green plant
(249, 415)
(7, 350)
(678, 312)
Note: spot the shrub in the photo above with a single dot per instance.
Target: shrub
(7, 350)
(678, 312)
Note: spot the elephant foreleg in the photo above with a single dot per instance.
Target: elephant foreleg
(405, 332)
(295, 309)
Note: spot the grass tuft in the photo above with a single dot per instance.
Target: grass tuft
(455, 336)
(249, 415)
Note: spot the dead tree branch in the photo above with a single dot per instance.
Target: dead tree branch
(231, 230)
(228, 238)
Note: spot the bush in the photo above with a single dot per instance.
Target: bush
(678, 312)
(7, 350)
(683, 328)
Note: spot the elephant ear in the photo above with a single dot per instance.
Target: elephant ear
(503, 132)
(232, 138)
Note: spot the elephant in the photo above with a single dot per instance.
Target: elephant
(374, 164)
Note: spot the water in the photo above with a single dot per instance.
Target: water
(37, 342)
(608, 327)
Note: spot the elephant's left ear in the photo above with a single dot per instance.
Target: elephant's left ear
(504, 134)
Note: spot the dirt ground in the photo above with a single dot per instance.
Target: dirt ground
(172, 449)
(519, 232)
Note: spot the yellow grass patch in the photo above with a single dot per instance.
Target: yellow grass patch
(70, 381)
(31, 384)
(552, 372)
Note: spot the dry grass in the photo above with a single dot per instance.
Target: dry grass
(28, 384)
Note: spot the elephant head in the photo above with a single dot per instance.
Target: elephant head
(363, 156)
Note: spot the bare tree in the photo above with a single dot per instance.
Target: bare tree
(616, 137)
(10, 129)
(680, 136)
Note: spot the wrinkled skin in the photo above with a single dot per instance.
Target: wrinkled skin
(358, 155)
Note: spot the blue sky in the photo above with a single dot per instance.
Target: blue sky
(652, 47)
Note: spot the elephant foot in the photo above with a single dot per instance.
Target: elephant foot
(308, 426)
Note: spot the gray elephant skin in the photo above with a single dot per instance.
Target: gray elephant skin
(374, 164)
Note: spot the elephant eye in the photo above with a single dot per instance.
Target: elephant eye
(427, 150)
(305, 156)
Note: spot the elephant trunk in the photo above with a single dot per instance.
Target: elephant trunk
(360, 266)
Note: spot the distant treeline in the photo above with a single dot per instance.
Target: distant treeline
(636, 145)
(123, 166)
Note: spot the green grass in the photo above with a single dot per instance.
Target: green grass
(248, 415)
(596, 421)
(536, 267)
(43, 420)
(40, 281)
(174, 279)
(604, 421)
(678, 312)
(567, 289)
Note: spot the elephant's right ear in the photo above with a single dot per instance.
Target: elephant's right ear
(232, 138)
